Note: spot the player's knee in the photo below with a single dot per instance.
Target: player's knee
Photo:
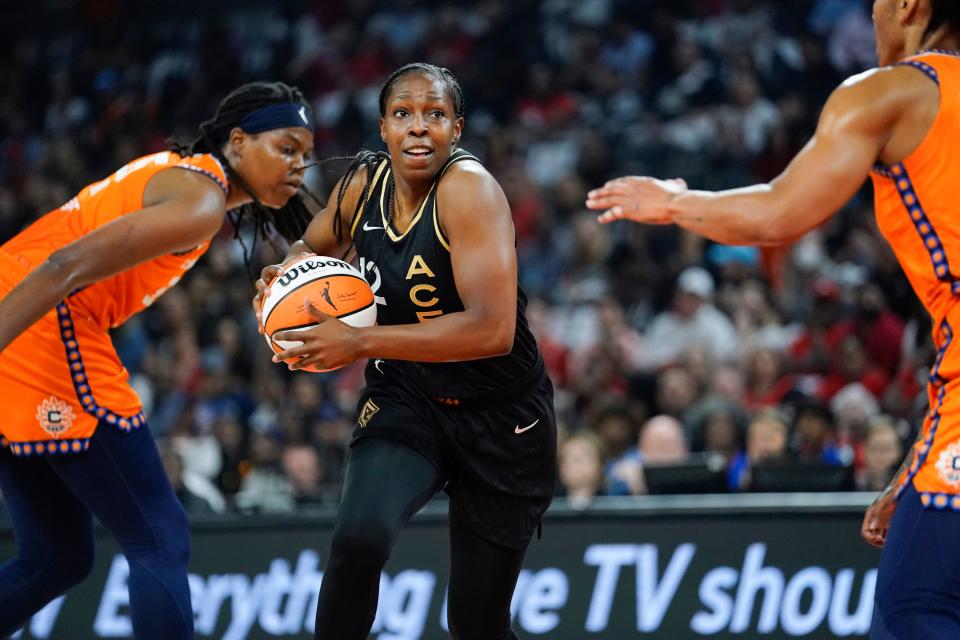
(175, 543)
(166, 543)
(362, 542)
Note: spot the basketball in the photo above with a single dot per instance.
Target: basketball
(334, 287)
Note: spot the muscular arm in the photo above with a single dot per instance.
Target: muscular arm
(476, 217)
(854, 128)
(183, 209)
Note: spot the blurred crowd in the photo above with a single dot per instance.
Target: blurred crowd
(727, 363)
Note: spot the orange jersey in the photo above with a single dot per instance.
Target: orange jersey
(62, 376)
(918, 211)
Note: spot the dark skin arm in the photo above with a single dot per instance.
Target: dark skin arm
(876, 521)
(476, 218)
(881, 114)
(181, 210)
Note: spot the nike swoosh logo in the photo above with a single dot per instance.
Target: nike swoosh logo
(376, 365)
(367, 227)
(518, 430)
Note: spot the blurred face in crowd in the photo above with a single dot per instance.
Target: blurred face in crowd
(766, 439)
(419, 126)
(581, 465)
(720, 432)
(676, 390)
(852, 358)
(616, 432)
(884, 450)
(662, 441)
(685, 304)
(302, 468)
(811, 428)
(269, 161)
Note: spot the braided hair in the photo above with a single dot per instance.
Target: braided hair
(289, 221)
(371, 159)
(943, 12)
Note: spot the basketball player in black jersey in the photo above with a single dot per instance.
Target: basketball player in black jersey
(457, 397)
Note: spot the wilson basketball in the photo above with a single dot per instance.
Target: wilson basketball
(334, 287)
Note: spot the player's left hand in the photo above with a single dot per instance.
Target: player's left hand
(328, 345)
(636, 198)
(876, 521)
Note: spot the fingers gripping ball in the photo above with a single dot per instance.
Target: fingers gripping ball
(333, 286)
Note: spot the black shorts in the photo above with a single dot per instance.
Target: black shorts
(499, 462)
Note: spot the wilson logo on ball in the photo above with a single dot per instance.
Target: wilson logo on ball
(333, 286)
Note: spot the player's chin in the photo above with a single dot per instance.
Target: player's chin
(279, 197)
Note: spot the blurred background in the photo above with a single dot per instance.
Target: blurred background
(680, 365)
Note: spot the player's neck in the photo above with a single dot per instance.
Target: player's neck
(407, 201)
(942, 39)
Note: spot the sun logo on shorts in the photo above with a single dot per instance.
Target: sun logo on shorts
(948, 466)
(55, 416)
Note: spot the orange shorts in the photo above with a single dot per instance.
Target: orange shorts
(59, 379)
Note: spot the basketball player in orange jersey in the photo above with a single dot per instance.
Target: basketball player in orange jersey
(75, 441)
(899, 124)
(457, 397)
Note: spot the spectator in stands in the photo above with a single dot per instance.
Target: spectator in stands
(766, 443)
(303, 470)
(692, 320)
(881, 456)
(581, 469)
(813, 435)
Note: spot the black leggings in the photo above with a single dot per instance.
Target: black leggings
(386, 483)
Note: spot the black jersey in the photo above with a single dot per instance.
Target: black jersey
(412, 279)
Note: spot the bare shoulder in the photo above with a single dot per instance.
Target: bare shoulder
(468, 185)
(176, 184)
(885, 92)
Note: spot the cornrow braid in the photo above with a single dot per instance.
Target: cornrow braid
(289, 221)
(365, 159)
(450, 82)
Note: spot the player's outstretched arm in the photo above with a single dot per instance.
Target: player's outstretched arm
(853, 129)
(185, 209)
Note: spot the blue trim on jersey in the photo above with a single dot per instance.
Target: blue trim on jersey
(931, 240)
(81, 385)
(46, 447)
(922, 66)
(220, 183)
(939, 383)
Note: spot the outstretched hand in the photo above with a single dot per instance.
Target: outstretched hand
(636, 198)
(330, 344)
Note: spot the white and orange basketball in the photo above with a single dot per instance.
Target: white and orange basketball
(334, 287)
